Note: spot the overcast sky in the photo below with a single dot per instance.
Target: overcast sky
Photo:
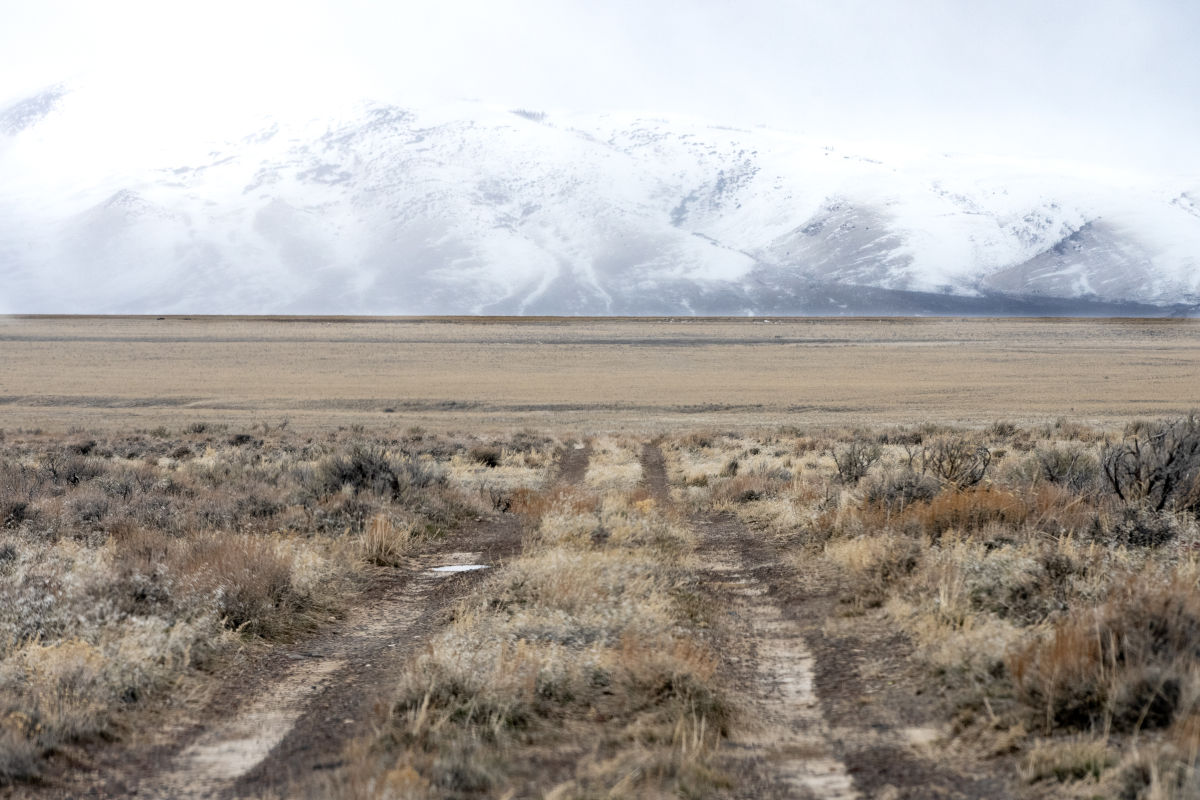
(1109, 81)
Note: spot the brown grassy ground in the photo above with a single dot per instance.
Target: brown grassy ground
(137, 570)
(975, 597)
(575, 672)
(1049, 624)
(983, 613)
(588, 374)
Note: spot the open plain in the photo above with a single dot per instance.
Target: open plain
(588, 374)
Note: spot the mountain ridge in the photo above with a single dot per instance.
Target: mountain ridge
(377, 209)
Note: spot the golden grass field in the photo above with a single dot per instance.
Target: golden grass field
(589, 374)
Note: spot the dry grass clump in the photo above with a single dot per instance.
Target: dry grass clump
(1125, 669)
(500, 473)
(132, 561)
(696, 459)
(1129, 664)
(748, 487)
(1068, 759)
(875, 563)
(614, 465)
(731, 471)
(966, 511)
(569, 674)
(386, 544)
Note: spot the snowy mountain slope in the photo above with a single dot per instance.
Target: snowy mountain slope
(469, 209)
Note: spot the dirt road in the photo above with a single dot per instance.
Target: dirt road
(815, 725)
(816, 721)
(301, 717)
(286, 718)
(782, 747)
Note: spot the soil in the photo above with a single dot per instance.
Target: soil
(285, 718)
(654, 474)
(573, 463)
(890, 727)
(833, 711)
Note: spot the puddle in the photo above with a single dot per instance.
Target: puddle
(460, 568)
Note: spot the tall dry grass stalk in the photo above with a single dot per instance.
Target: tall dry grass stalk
(385, 544)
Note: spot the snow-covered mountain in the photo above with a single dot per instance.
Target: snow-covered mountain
(470, 209)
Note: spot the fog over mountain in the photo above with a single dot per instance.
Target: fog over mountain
(466, 208)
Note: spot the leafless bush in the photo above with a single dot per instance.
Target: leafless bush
(70, 468)
(1002, 429)
(854, 459)
(956, 461)
(1156, 464)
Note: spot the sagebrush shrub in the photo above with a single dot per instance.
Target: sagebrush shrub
(487, 455)
(895, 491)
(1072, 466)
(365, 469)
(956, 461)
(1156, 464)
(362, 469)
(854, 459)
(1136, 526)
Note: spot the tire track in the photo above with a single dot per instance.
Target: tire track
(784, 748)
(303, 706)
(573, 464)
(300, 719)
(788, 746)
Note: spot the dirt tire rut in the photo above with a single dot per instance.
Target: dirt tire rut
(302, 718)
(784, 747)
(288, 717)
(812, 736)
(573, 463)
(781, 748)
